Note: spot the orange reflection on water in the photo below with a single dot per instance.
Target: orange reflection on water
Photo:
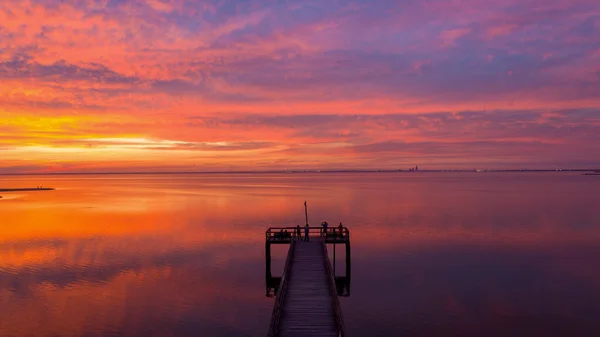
(127, 253)
(125, 303)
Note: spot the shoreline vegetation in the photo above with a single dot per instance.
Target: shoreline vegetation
(594, 173)
(34, 189)
(26, 189)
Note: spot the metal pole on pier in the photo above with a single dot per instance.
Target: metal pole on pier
(306, 212)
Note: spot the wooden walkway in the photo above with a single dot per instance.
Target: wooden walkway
(307, 303)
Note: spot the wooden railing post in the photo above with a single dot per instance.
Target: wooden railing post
(268, 260)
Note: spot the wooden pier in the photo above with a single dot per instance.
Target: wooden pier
(307, 301)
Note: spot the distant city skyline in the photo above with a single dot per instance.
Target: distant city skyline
(590, 171)
(185, 85)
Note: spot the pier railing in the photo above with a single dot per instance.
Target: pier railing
(279, 299)
(288, 234)
(339, 321)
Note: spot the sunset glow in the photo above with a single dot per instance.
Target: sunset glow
(187, 85)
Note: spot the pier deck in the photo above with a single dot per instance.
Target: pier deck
(307, 301)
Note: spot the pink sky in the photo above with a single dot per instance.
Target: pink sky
(180, 85)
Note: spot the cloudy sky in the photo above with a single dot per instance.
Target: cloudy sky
(179, 85)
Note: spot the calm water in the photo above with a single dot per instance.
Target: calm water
(455, 254)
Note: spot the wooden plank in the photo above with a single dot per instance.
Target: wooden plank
(308, 303)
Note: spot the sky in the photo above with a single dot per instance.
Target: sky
(186, 85)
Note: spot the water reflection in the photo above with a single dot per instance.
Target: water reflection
(494, 255)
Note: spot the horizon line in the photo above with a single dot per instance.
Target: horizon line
(301, 171)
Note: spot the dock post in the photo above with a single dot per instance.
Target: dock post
(334, 259)
(348, 263)
(268, 260)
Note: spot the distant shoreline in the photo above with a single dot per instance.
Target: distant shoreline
(25, 189)
(590, 172)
